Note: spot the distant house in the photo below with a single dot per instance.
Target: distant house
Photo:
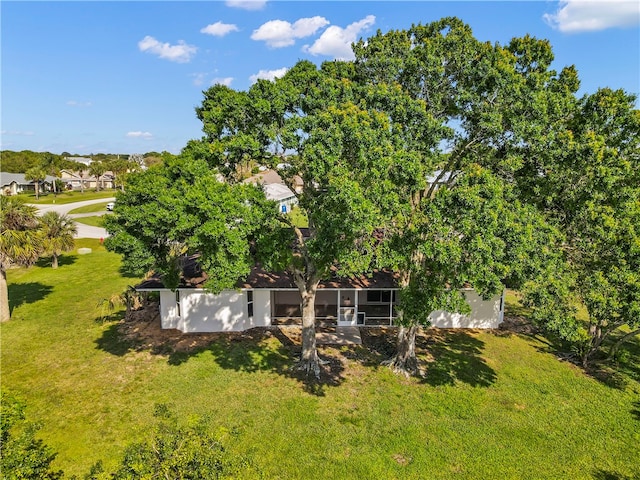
(84, 160)
(267, 299)
(440, 178)
(275, 189)
(282, 194)
(80, 179)
(15, 183)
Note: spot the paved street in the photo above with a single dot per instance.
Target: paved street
(84, 231)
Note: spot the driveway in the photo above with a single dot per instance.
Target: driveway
(84, 231)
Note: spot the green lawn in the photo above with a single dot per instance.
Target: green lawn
(96, 207)
(67, 197)
(493, 405)
(94, 221)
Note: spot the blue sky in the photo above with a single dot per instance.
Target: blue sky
(125, 77)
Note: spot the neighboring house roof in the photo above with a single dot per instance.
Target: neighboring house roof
(266, 177)
(194, 277)
(9, 178)
(445, 178)
(277, 192)
(269, 177)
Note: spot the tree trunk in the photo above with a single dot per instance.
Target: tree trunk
(595, 332)
(309, 361)
(37, 190)
(616, 346)
(405, 360)
(54, 261)
(5, 313)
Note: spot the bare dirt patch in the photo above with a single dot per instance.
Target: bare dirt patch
(517, 325)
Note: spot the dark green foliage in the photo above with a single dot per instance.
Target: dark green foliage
(22, 456)
(591, 187)
(20, 162)
(180, 208)
(175, 451)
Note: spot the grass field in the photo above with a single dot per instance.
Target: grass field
(93, 208)
(67, 197)
(94, 220)
(493, 405)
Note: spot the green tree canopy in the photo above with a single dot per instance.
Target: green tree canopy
(22, 455)
(328, 131)
(493, 110)
(181, 208)
(591, 186)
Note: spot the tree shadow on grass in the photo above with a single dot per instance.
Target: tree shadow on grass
(615, 373)
(454, 355)
(457, 357)
(63, 261)
(636, 410)
(605, 475)
(255, 350)
(23, 293)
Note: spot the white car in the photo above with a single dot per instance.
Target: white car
(110, 206)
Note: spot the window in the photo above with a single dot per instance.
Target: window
(379, 296)
(250, 303)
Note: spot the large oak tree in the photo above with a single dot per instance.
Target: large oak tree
(325, 130)
(473, 224)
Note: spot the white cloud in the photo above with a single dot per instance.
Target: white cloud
(268, 74)
(219, 29)
(17, 133)
(592, 15)
(73, 103)
(181, 53)
(247, 4)
(198, 78)
(138, 134)
(336, 41)
(280, 33)
(222, 81)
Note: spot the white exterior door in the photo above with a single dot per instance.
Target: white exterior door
(347, 317)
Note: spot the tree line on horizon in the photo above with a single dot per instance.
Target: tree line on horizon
(21, 161)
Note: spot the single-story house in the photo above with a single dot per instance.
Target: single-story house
(77, 180)
(275, 188)
(266, 299)
(281, 194)
(14, 183)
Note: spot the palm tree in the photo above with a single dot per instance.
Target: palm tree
(37, 175)
(50, 165)
(20, 242)
(58, 232)
(97, 169)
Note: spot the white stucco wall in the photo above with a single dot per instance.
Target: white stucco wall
(484, 314)
(261, 309)
(168, 309)
(204, 312)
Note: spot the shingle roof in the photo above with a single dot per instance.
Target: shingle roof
(8, 178)
(194, 277)
(277, 192)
